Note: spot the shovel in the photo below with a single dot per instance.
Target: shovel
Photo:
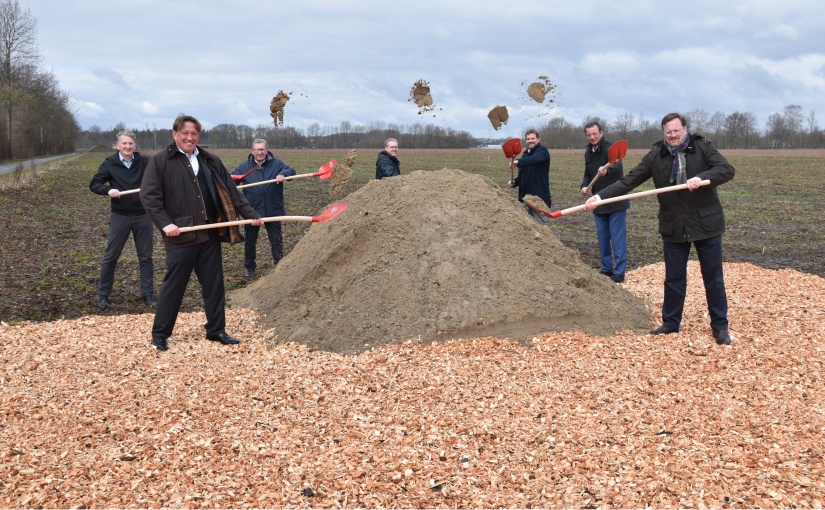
(512, 148)
(615, 153)
(666, 189)
(331, 212)
(324, 172)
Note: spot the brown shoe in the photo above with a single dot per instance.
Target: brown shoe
(664, 329)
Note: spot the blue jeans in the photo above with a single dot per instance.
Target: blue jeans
(611, 230)
(709, 252)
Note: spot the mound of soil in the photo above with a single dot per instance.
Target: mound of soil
(432, 256)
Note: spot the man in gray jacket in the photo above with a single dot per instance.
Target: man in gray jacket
(691, 216)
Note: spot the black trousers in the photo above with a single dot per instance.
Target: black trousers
(205, 259)
(709, 252)
(120, 226)
(276, 244)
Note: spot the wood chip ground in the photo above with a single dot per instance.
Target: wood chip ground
(93, 417)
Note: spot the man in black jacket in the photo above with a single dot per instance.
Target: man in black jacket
(691, 216)
(533, 176)
(611, 219)
(186, 186)
(123, 171)
(387, 164)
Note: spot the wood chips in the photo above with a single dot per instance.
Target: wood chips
(93, 417)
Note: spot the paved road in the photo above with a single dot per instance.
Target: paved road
(11, 167)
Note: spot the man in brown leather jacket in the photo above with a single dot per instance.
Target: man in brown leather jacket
(185, 186)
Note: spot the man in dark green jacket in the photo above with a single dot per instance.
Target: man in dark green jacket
(691, 216)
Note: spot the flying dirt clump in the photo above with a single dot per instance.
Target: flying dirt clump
(276, 107)
(431, 256)
(341, 174)
(498, 116)
(538, 90)
(421, 96)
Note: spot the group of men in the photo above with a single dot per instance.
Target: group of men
(690, 216)
(186, 186)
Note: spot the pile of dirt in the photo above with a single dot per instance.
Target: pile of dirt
(432, 256)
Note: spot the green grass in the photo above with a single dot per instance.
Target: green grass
(54, 231)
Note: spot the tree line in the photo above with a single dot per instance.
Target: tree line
(344, 136)
(37, 118)
(793, 128)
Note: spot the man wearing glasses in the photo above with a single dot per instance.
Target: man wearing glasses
(691, 216)
(266, 199)
(387, 164)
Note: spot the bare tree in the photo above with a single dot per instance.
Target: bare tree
(697, 120)
(18, 50)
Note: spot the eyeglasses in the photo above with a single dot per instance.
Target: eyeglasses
(392, 146)
(258, 150)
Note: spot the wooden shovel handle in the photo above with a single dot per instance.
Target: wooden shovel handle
(666, 189)
(244, 222)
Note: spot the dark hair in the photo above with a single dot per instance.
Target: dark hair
(178, 124)
(591, 124)
(532, 131)
(671, 116)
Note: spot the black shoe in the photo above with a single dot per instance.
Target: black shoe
(722, 337)
(223, 338)
(160, 344)
(664, 329)
(103, 302)
(249, 273)
(606, 273)
(149, 300)
(618, 278)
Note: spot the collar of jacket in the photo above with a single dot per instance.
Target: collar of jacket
(269, 157)
(395, 159)
(690, 148)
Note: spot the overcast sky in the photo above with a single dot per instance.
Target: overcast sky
(144, 62)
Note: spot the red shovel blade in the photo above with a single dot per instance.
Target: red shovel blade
(331, 212)
(617, 151)
(512, 147)
(325, 172)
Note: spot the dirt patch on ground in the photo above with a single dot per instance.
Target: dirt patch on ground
(432, 256)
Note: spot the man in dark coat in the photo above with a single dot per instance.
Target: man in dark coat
(387, 164)
(123, 171)
(611, 219)
(691, 216)
(266, 199)
(185, 186)
(533, 176)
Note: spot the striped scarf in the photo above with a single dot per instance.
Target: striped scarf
(679, 173)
